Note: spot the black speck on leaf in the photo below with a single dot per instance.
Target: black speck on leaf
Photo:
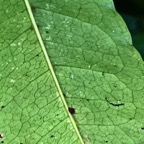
(2, 106)
(71, 110)
(37, 55)
(142, 128)
(2, 141)
(115, 65)
(115, 104)
(52, 136)
(106, 141)
(121, 104)
(64, 94)
(33, 8)
(38, 25)
(1, 136)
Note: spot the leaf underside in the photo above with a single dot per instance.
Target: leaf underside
(99, 72)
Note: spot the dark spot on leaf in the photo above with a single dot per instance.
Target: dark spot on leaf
(37, 55)
(115, 65)
(47, 31)
(52, 136)
(87, 99)
(121, 104)
(38, 25)
(114, 85)
(33, 8)
(142, 128)
(2, 106)
(80, 8)
(31, 27)
(71, 110)
(114, 104)
(60, 120)
(86, 139)
(1, 136)
(64, 94)
(106, 141)
(103, 73)
(2, 141)
(26, 75)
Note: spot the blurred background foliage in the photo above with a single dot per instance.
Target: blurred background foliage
(132, 12)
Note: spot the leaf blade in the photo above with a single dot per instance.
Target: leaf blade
(89, 53)
(52, 71)
(28, 95)
(93, 71)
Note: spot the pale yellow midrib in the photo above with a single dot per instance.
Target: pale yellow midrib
(51, 68)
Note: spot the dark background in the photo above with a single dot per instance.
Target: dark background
(132, 12)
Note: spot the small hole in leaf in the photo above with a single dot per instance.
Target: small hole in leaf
(71, 110)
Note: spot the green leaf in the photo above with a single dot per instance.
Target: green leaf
(68, 74)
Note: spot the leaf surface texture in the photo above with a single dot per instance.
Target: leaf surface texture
(97, 96)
